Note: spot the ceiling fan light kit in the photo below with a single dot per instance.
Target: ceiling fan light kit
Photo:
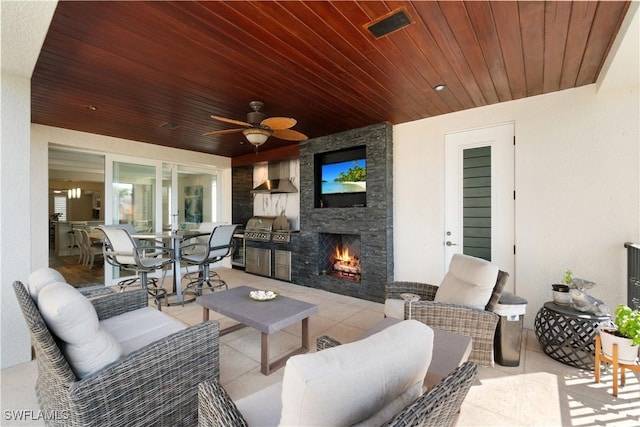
(258, 127)
(257, 136)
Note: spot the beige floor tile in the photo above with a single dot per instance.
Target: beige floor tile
(250, 344)
(472, 415)
(344, 333)
(500, 394)
(251, 382)
(364, 319)
(317, 326)
(336, 310)
(234, 364)
(19, 396)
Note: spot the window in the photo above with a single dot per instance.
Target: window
(60, 206)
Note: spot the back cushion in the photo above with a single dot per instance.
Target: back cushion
(352, 382)
(73, 319)
(41, 278)
(469, 282)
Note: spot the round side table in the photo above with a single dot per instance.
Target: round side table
(567, 335)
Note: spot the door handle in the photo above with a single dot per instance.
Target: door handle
(448, 243)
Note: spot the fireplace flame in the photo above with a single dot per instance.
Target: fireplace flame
(344, 263)
(344, 257)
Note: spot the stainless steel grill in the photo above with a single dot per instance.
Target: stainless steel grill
(264, 228)
(281, 236)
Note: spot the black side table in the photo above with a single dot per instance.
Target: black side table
(567, 335)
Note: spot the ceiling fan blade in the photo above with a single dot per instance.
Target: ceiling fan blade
(289, 135)
(223, 132)
(232, 121)
(277, 123)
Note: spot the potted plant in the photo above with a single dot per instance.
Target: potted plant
(626, 334)
(560, 291)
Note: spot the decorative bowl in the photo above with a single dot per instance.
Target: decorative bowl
(261, 295)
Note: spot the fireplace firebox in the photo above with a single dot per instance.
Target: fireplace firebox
(339, 255)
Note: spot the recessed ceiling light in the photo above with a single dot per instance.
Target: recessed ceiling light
(439, 88)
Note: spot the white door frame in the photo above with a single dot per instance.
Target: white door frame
(501, 140)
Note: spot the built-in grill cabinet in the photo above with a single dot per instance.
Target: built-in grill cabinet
(282, 265)
(258, 261)
(264, 235)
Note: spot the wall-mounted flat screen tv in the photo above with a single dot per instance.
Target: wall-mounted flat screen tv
(344, 177)
(341, 178)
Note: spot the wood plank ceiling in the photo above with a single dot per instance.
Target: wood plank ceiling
(145, 64)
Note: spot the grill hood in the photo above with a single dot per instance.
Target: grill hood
(278, 182)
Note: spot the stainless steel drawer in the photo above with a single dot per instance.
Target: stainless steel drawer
(282, 265)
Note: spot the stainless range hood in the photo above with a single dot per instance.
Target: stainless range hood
(278, 180)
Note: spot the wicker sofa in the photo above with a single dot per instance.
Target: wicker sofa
(155, 384)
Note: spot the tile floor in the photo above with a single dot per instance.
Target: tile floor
(539, 392)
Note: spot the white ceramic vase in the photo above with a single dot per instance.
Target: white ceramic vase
(627, 352)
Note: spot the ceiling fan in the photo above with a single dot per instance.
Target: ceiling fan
(259, 127)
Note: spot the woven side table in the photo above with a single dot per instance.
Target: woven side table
(568, 335)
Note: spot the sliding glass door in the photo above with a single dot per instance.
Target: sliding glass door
(151, 196)
(197, 197)
(133, 195)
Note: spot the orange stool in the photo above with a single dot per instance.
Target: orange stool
(601, 357)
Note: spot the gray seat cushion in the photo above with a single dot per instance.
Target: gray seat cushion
(138, 328)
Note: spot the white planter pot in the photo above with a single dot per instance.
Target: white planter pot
(627, 352)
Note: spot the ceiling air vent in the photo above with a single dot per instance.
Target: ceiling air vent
(389, 23)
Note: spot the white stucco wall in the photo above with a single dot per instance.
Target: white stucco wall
(577, 181)
(15, 230)
(24, 25)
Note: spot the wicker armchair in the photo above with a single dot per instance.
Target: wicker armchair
(155, 385)
(478, 324)
(438, 407)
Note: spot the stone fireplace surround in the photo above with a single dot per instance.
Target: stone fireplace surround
(373, 223)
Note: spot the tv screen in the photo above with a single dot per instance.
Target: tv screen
(344, 177)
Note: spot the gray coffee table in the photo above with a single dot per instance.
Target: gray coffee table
(266, 316)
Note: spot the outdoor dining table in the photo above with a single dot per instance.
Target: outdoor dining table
(176, 238)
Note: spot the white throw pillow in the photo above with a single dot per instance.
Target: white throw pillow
(93, 355)
(40, 278)
(351, 383)
(469, 281)
(73, 319)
